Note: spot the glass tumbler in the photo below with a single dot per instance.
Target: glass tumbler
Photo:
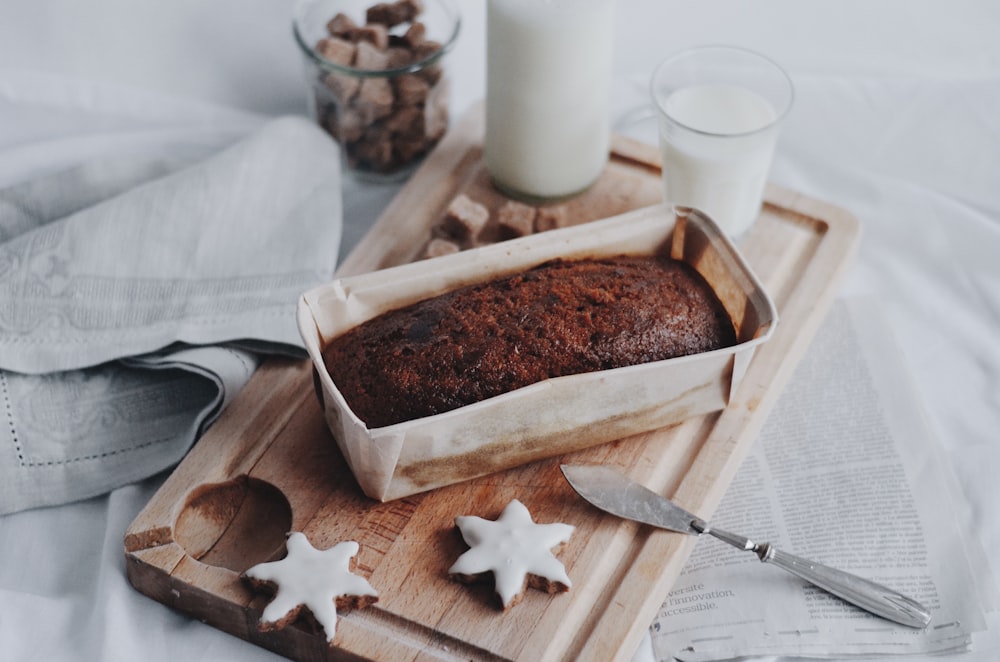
(719, 111)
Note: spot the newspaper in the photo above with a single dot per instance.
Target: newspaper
(846, 473)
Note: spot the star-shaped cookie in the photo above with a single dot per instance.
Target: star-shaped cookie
(317, 580)
(515, 550)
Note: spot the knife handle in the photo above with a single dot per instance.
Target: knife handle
(876, 598)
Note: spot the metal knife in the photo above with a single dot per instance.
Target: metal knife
(615, 493)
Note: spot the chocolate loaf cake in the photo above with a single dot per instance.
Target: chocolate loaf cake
(560, 318)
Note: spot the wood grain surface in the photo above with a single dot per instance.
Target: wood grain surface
(269, 465)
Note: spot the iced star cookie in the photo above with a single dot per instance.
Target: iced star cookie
(319, 581)
(518, 552)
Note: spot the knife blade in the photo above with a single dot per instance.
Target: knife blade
(616, 493)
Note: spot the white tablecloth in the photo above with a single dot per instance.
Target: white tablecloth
(897, 119)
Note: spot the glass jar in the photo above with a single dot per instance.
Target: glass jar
(376, 78)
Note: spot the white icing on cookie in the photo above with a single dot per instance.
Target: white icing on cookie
(512, 548)
(311, 578)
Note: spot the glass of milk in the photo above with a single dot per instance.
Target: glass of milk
(548, 78)
(719, 111)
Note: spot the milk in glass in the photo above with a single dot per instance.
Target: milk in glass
(720, 109)
(548, 75)
(717, 151)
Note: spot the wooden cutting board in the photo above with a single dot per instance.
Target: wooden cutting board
(269, 465)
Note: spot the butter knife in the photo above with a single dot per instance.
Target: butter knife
(615, 493)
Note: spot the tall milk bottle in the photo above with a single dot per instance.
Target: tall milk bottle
(548, 78)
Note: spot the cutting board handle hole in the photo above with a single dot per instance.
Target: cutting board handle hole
(234, 524)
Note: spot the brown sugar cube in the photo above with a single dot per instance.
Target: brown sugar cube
(406, 121)
(327, 119)
(432, 74)
(372, 152)
(343, 87)
(437, 247)
(436, 112)
(350, 125)
(373, 33)
(425, 49)
(337, 50)
(515, 219)
(415, 34)
(369, 57)
(409, 148)
(412, 8)
(398, 57)
(551, 218)
(383, 13)
(341, 26)
(375, 99)
(391, 14)
(411, 90)
(465, 218)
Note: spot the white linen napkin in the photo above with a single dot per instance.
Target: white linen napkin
(136, 294)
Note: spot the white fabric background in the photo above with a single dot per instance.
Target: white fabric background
(897, 119)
